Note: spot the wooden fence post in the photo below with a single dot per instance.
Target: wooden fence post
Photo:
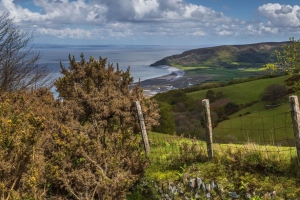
(294, 103)
(143, 127)
(208, 128)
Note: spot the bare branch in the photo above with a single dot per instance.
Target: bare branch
(18, 60)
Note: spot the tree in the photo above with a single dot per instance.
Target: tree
(166, 121)
(18, 60)
(288, 62)
(210, 95)
(274, 92)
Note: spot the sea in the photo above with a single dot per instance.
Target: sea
(138, 57)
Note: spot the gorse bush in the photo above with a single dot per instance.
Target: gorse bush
(80, 146)
(100, 95)
(24, 142)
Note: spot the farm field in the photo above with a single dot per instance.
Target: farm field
(264, 126)
(243, 92)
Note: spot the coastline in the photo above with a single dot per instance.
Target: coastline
(159, 84)
(177, 79)
(174, 74)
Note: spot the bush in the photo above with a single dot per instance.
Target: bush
(26, 143)
(231, 108)
(81, 146)
(274, 92)
(99, 135)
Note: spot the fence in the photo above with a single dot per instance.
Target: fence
(274, 134)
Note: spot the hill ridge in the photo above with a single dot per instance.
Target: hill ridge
(227, 56)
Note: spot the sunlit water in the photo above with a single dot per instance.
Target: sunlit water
(137, 57)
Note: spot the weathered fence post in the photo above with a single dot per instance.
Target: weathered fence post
(294, 103)
(143, 127)
(208, 128)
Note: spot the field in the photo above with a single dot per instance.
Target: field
(195, 74)
(235, 168)
(268, 126)
(254, 152)
(243, 92)
(258, 122)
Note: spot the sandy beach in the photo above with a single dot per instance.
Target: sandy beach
(175, 80)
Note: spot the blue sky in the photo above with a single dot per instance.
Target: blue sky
(156, 22)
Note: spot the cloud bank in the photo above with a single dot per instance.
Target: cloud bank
(146, 19)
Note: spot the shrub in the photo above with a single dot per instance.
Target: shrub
(166, 121)
(81, 146)
(231, 108)
(103, 158)
(274, 92)
(26, 124)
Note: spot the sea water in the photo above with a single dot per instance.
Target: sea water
(138, 57)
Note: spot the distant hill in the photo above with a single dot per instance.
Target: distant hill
(228, 56)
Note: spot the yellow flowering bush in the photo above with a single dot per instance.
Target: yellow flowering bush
(80, 146)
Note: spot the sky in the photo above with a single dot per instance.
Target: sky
(156, 22)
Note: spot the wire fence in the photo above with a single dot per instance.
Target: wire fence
(271, 132)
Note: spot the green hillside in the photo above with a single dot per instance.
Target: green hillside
(259, 122)
(263, 126)
(229, 56)
(243, 92)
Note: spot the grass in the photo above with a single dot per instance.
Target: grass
(242, 93)
(264, 126)
(224, 74)
(237, 167)
(258, 123)
(253, 150)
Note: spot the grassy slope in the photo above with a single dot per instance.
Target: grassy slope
(243, 92)
(272, 126)
(236, 167)
(262, 124)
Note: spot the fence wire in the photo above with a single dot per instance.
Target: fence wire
(265, 131)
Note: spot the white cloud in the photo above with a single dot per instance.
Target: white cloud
(99, 19)
(133, 16)
(280, 15)
(66, 33)
(224, 32)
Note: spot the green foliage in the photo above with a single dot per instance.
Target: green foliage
(166, 120)
(210, 95)
(288, 61)
(183, 110)
(274, 92)
(230, 108)
(178, 100)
